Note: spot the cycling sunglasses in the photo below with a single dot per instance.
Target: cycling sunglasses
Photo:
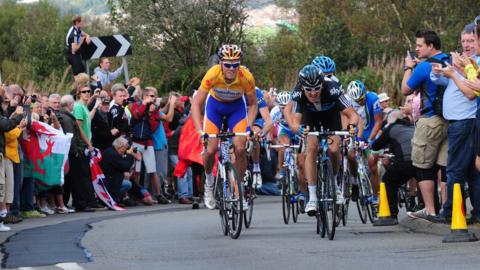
(231, 65)
(312, 89)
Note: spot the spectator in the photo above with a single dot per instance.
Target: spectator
(160, 139)
(15, 94)
(269, 182)
(96, 99)
(77, 180)
(143, 113)
(429, 144)
(103, 133)
(175, 128)
(11, 155)
(82, 115)
(103, 73)
(74, 40)
(116, 161)
(118, 111)
(459, 108)
(384, 100)
(57, 191)
(396, 136)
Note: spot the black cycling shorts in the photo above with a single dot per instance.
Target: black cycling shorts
(329, 120)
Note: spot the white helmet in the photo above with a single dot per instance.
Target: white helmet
(356, 90)
(283, 98)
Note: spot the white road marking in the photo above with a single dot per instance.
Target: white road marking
(69, 266)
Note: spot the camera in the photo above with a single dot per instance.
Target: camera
(135, 150)
(49, 111)
(33, 98)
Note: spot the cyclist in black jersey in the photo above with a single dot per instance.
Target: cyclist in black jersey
(319, 102)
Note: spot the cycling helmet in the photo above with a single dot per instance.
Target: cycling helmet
(356, 90)
(229, 52)
(311, 76)
(283, 98)
(325, 63)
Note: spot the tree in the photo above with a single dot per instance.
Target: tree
(179, 35)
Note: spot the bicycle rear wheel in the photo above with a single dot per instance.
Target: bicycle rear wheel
(295, 210)
(286, 197)
(249, 194)
(234, 201)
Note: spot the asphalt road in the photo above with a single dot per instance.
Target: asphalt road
(192, 240)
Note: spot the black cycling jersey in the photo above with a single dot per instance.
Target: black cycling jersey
(326, 112)
(331, 98)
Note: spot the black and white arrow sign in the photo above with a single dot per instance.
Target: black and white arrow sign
(107, 46)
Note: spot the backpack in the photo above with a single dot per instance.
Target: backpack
(437, 101)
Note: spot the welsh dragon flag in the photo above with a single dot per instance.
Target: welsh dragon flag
(45, 152)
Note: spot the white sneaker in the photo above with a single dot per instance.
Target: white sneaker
(4, 228)
(257, 180)
(340, 198)
(311, 208)
(208, 197)
(46, 210)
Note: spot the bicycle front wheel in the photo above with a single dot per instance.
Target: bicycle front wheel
(220, 202)
(286, 198)
(234, 201)
(371, 209)
(362, 200)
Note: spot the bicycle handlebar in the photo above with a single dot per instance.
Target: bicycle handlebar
(329, 133)
(295, 146)
(226, 135)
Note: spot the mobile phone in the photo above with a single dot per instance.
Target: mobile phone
(412, 54)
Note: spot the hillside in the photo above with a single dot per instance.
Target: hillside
(262, 13)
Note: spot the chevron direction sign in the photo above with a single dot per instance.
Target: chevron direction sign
(107, 46)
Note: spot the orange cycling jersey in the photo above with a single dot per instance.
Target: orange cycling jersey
(215, 84)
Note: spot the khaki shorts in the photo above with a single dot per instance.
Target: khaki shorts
(429, 143)
(148, 158)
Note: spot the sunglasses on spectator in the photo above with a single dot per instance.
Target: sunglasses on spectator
(312, 89)
(85, 91)
(231, 65)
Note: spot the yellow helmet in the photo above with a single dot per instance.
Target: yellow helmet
(229, 52)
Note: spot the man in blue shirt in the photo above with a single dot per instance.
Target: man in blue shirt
(429, 143)
(459, 108)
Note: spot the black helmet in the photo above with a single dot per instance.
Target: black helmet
(311, 76)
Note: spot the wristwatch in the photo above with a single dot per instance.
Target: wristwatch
(407, 68)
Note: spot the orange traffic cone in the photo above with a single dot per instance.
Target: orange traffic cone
(458, 230)
(384, 216)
